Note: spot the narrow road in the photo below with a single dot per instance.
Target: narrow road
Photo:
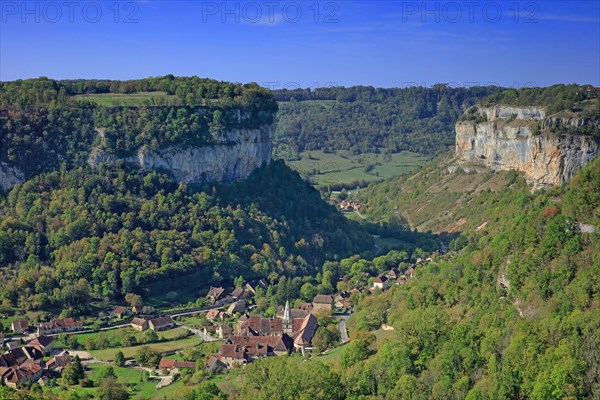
(343, 331)
(199, 332)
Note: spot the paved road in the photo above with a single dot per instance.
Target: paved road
(178, 313)
(343, 331)
(199, 332)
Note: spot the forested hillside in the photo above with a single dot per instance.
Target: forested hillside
(513, 314)
(366, 119)
(556, 98)
(45, 123)
(70, 236)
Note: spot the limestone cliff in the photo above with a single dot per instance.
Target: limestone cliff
(10, 176)
(233, 156)
(545, 148)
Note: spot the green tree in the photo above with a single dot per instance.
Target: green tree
(119, 360)
(308, 291)
(207, 391)
(134, 299)
(107, 373)
(111, 390)
(146, 357)
(73, 372)
(357, 350)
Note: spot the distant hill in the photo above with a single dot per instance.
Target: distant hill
(365, 119)
(46, 123)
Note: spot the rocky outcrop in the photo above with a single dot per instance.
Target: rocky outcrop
(10, 176)
(525, 139)
(233, 156)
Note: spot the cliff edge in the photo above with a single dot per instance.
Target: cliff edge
(547, 149)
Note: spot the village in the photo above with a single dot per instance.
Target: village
(228, 321)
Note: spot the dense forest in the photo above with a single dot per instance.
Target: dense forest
(366, 119)
(72, 235)
(552, 98)
(191, 91)
(43, 122)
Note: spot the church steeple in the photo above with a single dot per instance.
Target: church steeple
(288, 323)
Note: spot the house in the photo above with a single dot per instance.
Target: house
(214, 314)
(59, 326)
(262, 346)
(20, 373)
(215, 365)
(342, 300)
(240, 350)
(255, 284)
(356, 290)
(121, 312)
(31, 352)
(15, 377)
(303, 340)
(12, 345)
(393, 273)
(143, 310)
(139, 324)
(240, 293)
(43, 381)
(224, 331)
(161, 324)
(172, 366)
(409, 273)
(19, 325)
(42, 343)
(237, 307)
(232, 355)
(259, 326)
(381, 282)
(58, 363)
(322, 302)
(215, 294)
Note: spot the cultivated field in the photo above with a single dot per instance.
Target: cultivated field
(345, 168)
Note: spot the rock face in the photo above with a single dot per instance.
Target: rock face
(10, 176)
(234, 156)
(511, 138)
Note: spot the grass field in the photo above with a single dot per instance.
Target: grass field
(129, 99)
(173, 345)
(191, 321)
(333, 358)
(139, 336)
(344, 168)
(130, 377)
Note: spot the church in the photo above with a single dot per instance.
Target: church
(258, 337)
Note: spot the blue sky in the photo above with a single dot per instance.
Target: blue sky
(307, 44)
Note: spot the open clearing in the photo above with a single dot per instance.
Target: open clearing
(129, 99)
(344, 168)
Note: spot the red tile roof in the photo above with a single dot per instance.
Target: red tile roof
(231, 351)
(307, 331)
(166, 363)
(21, 324)
(263, 326)
(213, 313)
(43, 341)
